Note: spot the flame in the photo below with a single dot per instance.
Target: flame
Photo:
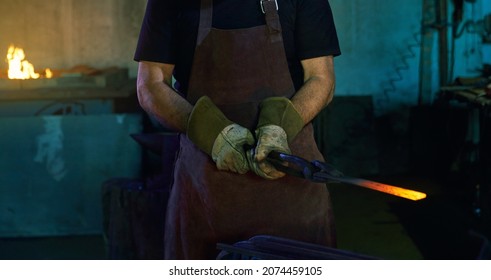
(49, 73)
(19, 68)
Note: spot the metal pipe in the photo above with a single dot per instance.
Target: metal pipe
(442, 19)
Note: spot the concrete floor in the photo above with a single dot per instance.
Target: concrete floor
(53, 248)
(367, 225)
(442, 226)
(368, 222)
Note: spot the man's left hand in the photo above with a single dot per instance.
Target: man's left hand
(269, 138)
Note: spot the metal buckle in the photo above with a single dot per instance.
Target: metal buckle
(262, 5)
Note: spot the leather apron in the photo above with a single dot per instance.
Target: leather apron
(237, 69)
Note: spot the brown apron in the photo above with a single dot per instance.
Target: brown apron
(237, 69)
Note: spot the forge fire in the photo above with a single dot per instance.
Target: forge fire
(20, 68)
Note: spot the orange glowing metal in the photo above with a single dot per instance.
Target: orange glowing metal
(393, 190)
(319, 172)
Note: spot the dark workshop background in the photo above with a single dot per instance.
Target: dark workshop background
(400, 115)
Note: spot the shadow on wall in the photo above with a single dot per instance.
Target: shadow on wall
(345, 134)
(420, 140)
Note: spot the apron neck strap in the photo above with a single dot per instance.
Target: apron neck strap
(205, 20)
(268, 7)
(270, 10)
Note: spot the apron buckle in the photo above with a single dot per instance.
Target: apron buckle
(262, 4)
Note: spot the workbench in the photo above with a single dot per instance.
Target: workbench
(475, 96)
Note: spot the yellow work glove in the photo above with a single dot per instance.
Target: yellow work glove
(279, 123)
(210, 130)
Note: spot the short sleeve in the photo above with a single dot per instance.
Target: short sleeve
(157, 37)
(315, 31)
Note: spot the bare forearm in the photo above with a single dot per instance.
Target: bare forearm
(159, 99)
(317, 90)
(169, 108)
(312, 98)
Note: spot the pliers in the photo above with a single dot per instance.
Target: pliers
(315, 171)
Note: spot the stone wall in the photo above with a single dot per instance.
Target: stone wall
(65, 33)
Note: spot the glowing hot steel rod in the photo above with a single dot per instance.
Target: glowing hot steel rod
(322, 172)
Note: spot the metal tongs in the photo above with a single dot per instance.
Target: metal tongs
(321, 172)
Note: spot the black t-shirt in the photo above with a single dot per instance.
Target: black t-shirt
(169, 31)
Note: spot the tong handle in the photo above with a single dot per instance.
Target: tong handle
(293, 165)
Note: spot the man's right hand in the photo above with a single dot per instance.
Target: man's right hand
(228, 149)
(210, 130)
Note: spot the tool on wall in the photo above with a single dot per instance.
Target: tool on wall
(428, 29)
